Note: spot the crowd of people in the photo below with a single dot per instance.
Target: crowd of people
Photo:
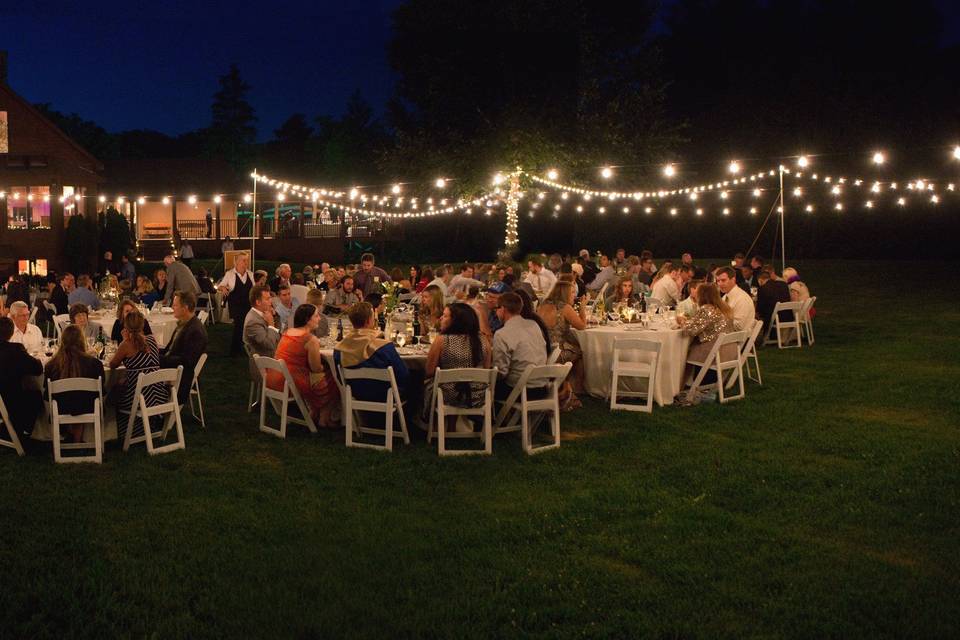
(480, 315)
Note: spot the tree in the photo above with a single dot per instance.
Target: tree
(232, 132)
(293, 134)
(348, 148)
(115, 234)
(80, 243)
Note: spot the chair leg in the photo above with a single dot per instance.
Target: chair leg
(203, 423)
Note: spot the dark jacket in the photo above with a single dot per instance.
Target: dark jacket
(185, 348)
(22, 406)
(772, 292)
(116, 336)
(59, 299)
(77, 402)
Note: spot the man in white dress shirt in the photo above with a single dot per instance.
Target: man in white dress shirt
(444, 275)
(517, 345)
(461, 283)
(235, 292)
(542, 280)
(27, 334)
(285, 305)
(744, 314)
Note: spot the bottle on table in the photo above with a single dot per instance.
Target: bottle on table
(339, 329)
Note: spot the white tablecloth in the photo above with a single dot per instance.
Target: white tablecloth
(161, 324)
(597, 345)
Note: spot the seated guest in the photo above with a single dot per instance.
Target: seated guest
(459, 284)
(60, 295)
(83, 293)
(80, 316)
(443, 276)
(260, 332)
(713, 318)
(187, 344)
(72, 361)
(667, 289)
(260, 277)
(364, 348)
(299, 348)
(375, 300)
(424, 279)
(491, 302)
(124, 308)
(281, 278)
(460, 345)
(798, 290)
(771, 291)
(315, 297)
(558, 314)
(517, 345)
(160, 283)
(330, 280)
(528, 312)
(285, 305)
(18, 288)
(205, 282)
(416, 273)
(747, 279)
(23, 403)
(744, 314)
(431, 308)
(540, 279)
(340, 300)
(688, 306)
(623, 294)
(576, 270)
(127, 270)
(606, 274)
(403, 284)
(137, 353)
(29, 335)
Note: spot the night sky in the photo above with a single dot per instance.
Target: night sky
(128, 65)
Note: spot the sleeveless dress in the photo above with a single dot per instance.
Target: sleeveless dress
(317, 389)
(456, 354)
(561, 336)
(146, 361)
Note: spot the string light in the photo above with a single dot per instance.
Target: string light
(734, 167)
(217, 199)
(552, 174)
(166, 200)
(879, 158)
(803, 162)
(193, 199)
(440, 183)
(606, 173)
(868, 204)
(141, 200)
(901, 201)
(669, 171)
(395, 189)
(809, 208)
(956, 152)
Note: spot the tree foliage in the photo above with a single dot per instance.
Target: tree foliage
(232, 129)
(115, 233)
(80, 243)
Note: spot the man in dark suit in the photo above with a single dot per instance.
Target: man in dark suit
(772, 290)
(23, 404)
(187, 344)
(61, 293)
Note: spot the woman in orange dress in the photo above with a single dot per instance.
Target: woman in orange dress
(299, 348)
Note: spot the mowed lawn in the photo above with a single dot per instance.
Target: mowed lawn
(826, 504)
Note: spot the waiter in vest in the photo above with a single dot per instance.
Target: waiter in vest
(235, 286)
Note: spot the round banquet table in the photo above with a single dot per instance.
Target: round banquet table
(161, 324)
(597, 345)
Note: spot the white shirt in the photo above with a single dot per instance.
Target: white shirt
(516, 345)
(744, 313)
(260, 313)
(186, 251)
(440, 283)
(541, 282)
(31, 339)
(461, 283)
(605, 275)
(230, 279)
(666, 290)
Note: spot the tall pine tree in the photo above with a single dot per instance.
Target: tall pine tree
(232, 131)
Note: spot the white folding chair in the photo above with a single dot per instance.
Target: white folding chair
(392, 404)
(169, 378)
(716, 362)
(406, 297)
(95, 418)
(255, 379)
(806, 322)
(780, 326)
(750, 353)
(51, 312)
(33, 315)
(487, 377)
(61, 321)
(299, 291)
(280, 400)
(646, 368)
(203, 316)
(592, 304)
(195, 390)
(518, 405)
(12, 440)
(554, 356)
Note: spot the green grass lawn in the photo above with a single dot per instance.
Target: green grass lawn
(825, 504)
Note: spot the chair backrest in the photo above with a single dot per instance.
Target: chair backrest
(203, 301)
(738, 338)
(554, 356)
(748, 345)
(7, 425)
(634, 344)
(33, 315)
(50, 307)
(483, 376)
(167, 377)
(289, 390)
(406, 297)
(203, 315)
(202, 360)
(61, 321)
(74, 384)
(299, 291)
(793, 307)
(552, 374)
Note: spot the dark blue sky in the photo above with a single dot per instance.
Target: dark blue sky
(154, 65)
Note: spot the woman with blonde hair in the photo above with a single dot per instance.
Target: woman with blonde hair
(560, 317)
(431, 308)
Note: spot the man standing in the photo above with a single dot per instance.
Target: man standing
(462, 283)
(368, 278)
(260, 332)
(186, 252)
(744, 314)
(539, 278)
(179, 278)
(235, 287)
(60, 296)
(23, 406)
(209, 219)
(226, 245)
(24, 333)
(444, 276)
(285, 306)
(187, 344)
(517, 345)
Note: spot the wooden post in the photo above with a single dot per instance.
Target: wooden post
(300, 232)
(173, 217)
(217, 220)
(259, 229)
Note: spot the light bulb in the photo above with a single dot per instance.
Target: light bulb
(193, 199)
(956, 152)
(606, 173)
(552, 174)
(217, 199)
(440, 183)
(803, 162)
(669, 171)
(879, 158)
(141, 200)
(734, 167)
